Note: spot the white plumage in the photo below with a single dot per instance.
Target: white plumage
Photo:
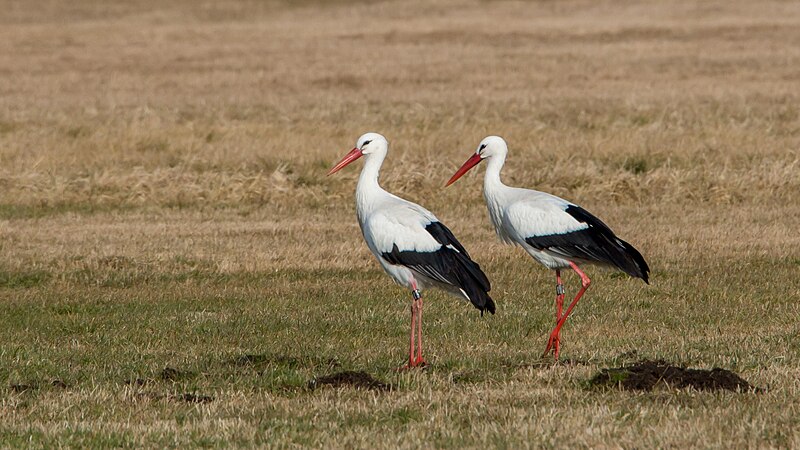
(518, 214)
(556, 233)
(409, 242)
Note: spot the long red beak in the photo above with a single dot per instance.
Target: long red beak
(471, 162)
(348, 158)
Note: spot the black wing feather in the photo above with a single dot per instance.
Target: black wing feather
(596, 243)
(444, 236)
(450, 264)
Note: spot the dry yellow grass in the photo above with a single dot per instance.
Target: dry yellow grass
(163, 203)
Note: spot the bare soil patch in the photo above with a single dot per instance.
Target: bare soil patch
(647, 375)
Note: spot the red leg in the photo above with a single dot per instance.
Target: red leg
(416, 325)
(420, 361)
(559, 308)
(411, 358)
(585, 282)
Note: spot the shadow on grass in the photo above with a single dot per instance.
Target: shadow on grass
(546, 362)
(187, 397)
(261, 362)
(21, 388)
(166, 374)
(354, 379)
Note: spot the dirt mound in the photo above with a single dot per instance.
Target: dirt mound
(647, 375)
(359, 380)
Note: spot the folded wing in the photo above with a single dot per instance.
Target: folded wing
(428, 247)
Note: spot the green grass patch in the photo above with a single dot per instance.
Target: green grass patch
(23, 279)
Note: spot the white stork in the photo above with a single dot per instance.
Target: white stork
(555, 232)
(413, 247)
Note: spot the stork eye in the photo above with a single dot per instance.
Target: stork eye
(483, 146)
(365, 143)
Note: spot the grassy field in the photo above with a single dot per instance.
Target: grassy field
(176, 269)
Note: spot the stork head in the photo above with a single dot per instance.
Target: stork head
(367, 144)
(490, 146)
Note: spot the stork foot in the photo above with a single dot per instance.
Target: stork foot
(418, 363)
(554, 344)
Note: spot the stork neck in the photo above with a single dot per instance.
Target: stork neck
(493, 166)
(368, 180)
(368, 191)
